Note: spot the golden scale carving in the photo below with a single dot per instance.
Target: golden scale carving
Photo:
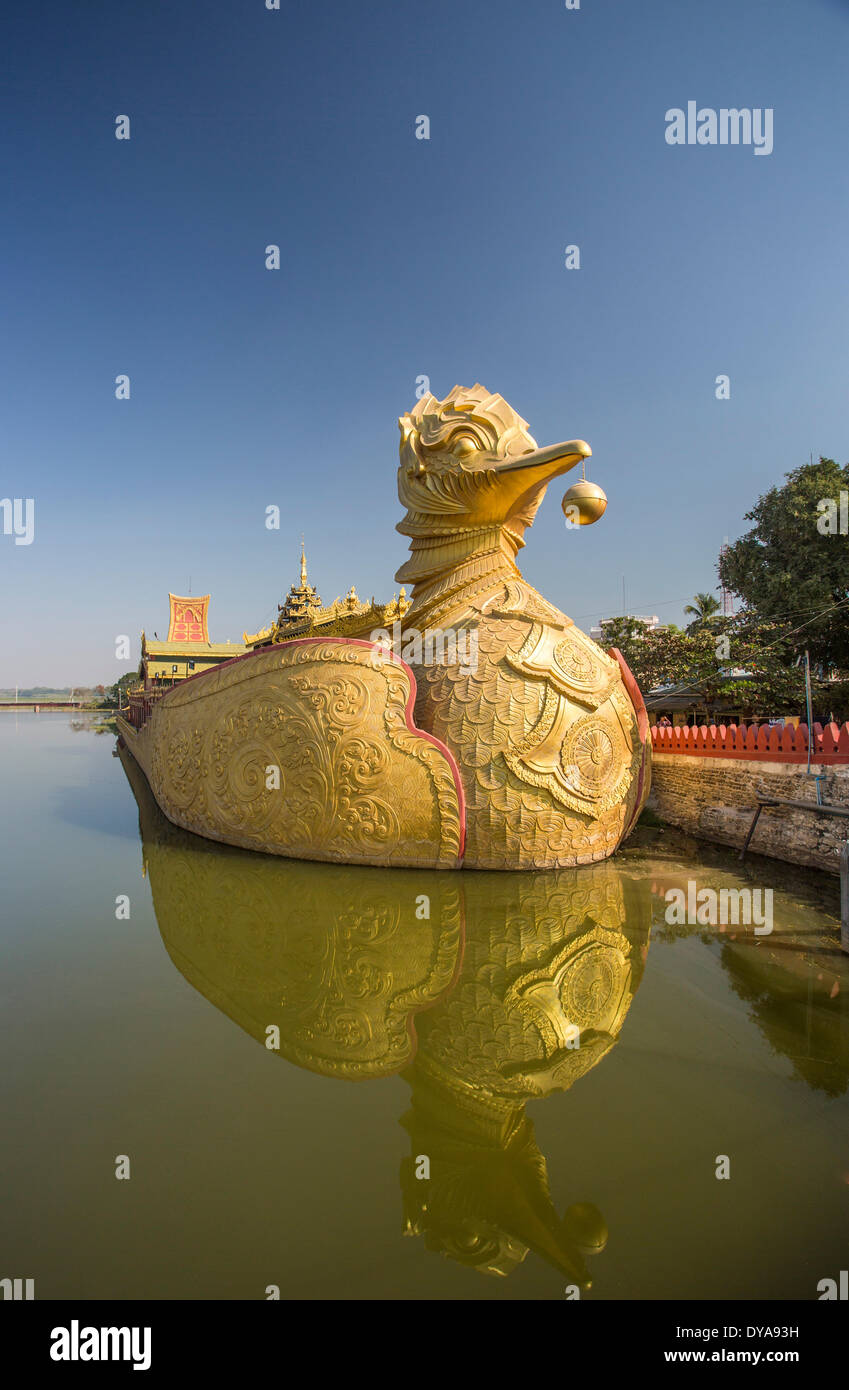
(513, 989)
(553, 755)
(546, 732)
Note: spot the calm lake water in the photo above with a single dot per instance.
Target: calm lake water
(401, 1038)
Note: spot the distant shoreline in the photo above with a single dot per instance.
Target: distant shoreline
(57, 706)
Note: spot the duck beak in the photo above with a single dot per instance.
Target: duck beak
(551, 461)
(524, 478)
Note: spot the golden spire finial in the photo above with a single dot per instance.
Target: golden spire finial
(303, 564)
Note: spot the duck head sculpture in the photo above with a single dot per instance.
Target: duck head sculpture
(471, 478)
(548, 730)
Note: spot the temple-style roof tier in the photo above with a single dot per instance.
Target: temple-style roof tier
(302, 614)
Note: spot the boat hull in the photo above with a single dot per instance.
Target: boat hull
(307, 750)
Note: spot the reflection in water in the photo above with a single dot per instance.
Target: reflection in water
(332, 957)
(514, 987)
(793, 980)
(799, 1002)
(551, 964)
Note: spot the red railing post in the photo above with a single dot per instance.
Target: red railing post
(771, 744)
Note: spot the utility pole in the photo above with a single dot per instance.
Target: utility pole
(808, 703)
(726, 601)
(844, 898)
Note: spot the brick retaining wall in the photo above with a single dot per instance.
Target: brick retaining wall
(715, 798)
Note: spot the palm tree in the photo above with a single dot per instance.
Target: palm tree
(703, 609)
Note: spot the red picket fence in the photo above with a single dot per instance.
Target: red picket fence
(788, 745)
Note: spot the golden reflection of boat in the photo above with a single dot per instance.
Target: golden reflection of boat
(518, 984)
(551, 964)
(324, 963)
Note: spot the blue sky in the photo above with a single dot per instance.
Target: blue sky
(400, 257)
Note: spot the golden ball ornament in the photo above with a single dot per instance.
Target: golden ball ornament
(583, 503)
(584, 1224)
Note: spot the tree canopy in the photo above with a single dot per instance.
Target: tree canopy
(791, 571)
(793, 565)
(746, 660)
(127, 681)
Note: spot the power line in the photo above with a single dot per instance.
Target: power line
(789, 613)
(831, 609)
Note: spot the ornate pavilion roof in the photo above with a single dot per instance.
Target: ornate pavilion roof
(302, 600)
(302, 612)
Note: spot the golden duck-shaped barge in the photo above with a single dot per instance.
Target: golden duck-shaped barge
(485, 731)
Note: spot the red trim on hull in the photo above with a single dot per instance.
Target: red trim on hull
(636, 698)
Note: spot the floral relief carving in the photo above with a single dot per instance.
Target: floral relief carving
(308, 753)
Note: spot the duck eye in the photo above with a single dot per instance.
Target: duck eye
(464, 444)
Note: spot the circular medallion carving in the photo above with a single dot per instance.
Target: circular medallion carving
(589, 756)
(577, 664)
(592, 986)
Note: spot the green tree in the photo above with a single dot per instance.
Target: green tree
(793, 564)
(125, 682)
(748, 661)
(762, 653)
(703, 609)
(660, 657)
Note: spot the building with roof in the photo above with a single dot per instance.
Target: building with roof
(187, 650)
(651, 621)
